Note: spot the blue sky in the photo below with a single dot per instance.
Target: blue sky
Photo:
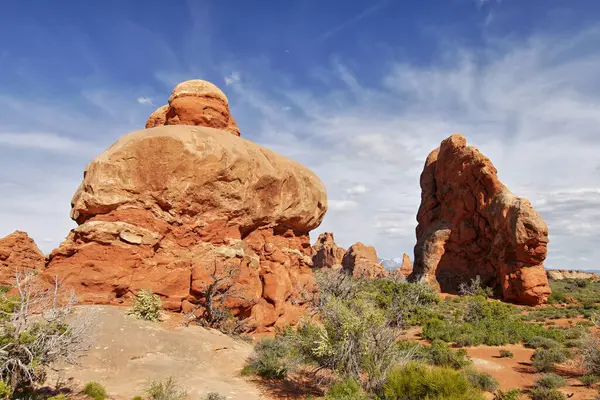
(359, 91)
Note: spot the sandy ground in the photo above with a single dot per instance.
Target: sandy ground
(128, 353)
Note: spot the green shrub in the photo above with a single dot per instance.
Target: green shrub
(481, 380)
(348, 389)
(442, 355)
(5, 390)
(95, 390)
(546, 394)
(419, 382)
(538, 342)
(589, 379)
(271, 359)
(215, 396)
(590, 354)
(550, 381)
(506, 354)
(166, 390)
(137, 398)
(512, 394)
(544, 359)
(146, 306)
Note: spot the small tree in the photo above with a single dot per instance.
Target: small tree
(220, 287)
(146, 306)
(38, 328)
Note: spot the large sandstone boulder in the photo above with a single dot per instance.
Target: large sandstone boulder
(361, 262)
(195, 102)
(470, 224)
(173, 208)
(18, 252)
(327, 254)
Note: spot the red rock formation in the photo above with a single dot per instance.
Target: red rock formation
(195, 102)
(361, 262)
(172, 207)
(327, 254)
(18, 252)
(406, 268)
(471, 224)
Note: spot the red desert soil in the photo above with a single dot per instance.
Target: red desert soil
(517, 372)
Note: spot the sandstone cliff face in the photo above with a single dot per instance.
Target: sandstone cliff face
(361, 262)
(560, 274)
(327, 254)
(18, 252)
(470, 224)
(172, 207)
(196, 102)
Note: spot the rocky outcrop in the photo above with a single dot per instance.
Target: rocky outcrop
(18, 252)
(470, 224)
(361, 262)
(198, 103)
(560, 274)
(406, 268)
(327, 254)
(174, 208)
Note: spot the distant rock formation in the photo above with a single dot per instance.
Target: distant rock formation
(470, 224)
(560, 274)
(361, 262)
(172, 207)
(327, 254)
(405, 268)
(195, 102)
(18, 252)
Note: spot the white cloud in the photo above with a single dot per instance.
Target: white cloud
(342, 205)
(144, 100)
(232, 78)
(357, 189)
(528, 105)
(42, 141)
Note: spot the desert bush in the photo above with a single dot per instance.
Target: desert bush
(550, 381)
(544, 359)
(546, 394)
(589, 379)
(38, 327)
(137, 398)
(271, 358)
(442, 355)
(506, 354)
(5, 390)
(94, 390)
(347, 389)
(405, 303)
(590, 354)
(146, 306)
(538, 342)
(214, 396)
(474, 288)
(420, 382)
(481, 380)
(512, 394)
(168, 389)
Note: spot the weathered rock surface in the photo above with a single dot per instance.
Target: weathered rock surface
(470, 224)
(327, 254)
(18, 252)
(195, 102)
(406, 268)
(173, 207)
(361, 262)
(560, 274)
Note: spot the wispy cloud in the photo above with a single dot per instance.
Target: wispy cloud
(144, 100)
(354, 20)
(44, 141)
